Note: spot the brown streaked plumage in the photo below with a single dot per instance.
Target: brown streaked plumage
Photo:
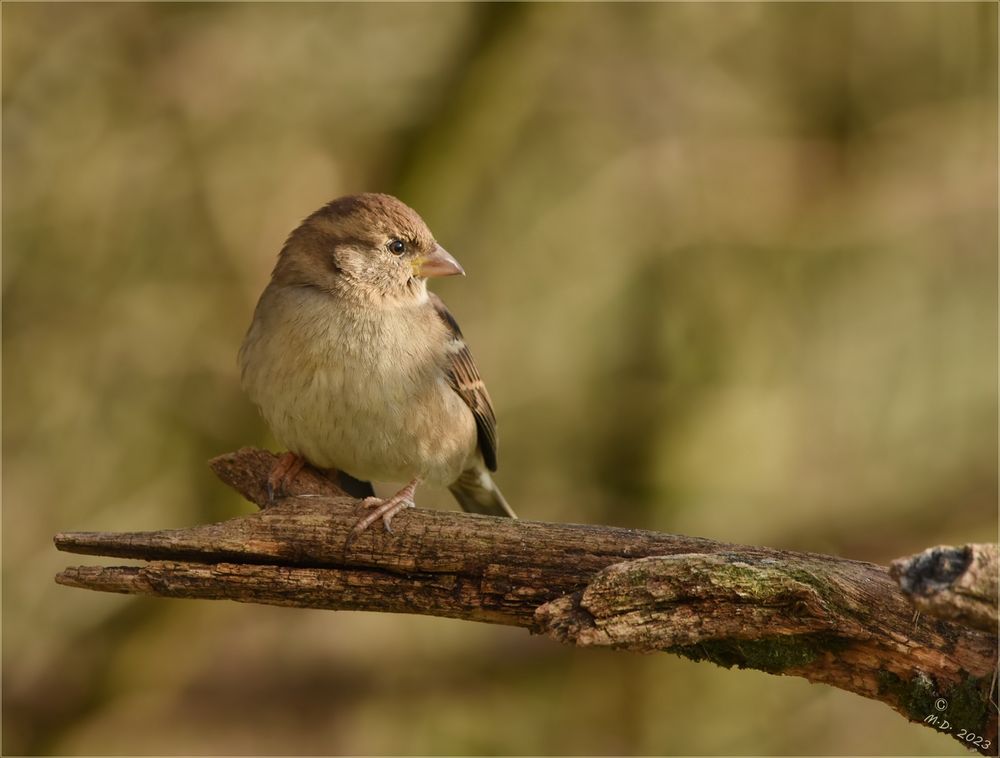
(357, 367)
(464, 376)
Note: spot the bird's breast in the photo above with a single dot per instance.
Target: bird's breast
(362, 392)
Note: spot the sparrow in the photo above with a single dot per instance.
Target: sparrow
(357, 368)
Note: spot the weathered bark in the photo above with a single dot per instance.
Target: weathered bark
(958, 583)
(827, 619)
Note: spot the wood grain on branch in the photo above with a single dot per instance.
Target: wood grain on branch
(827, 619)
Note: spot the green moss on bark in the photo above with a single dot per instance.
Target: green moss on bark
(771, 654)
(965, 704)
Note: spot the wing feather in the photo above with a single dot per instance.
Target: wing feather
(463, 375)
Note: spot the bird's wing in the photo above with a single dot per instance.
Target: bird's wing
(464, 378)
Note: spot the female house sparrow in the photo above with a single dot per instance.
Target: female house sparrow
(356, 367)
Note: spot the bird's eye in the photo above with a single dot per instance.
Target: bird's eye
(397, 247)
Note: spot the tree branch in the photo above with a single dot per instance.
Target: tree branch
(958, 583)
(831, 620)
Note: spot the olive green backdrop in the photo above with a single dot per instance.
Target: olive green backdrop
(732, 272)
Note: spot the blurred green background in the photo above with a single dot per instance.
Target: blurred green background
(732, 272)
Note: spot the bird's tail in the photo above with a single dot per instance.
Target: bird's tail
(476, 492)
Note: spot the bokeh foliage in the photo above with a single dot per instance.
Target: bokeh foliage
(732, 273)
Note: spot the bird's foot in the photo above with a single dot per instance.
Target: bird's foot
(283, 474)
(385, 508)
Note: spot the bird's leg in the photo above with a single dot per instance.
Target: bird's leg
(386, 508)
(283, 474)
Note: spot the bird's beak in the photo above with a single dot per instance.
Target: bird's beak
(438, 262)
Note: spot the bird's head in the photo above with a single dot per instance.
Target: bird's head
(369, 247)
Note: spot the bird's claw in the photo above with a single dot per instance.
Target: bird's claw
(282, 474)
(387, 517)
(386, 509)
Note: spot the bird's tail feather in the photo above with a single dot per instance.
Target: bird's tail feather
(476, 492)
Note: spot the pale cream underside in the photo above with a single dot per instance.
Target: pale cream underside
(358, 389)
